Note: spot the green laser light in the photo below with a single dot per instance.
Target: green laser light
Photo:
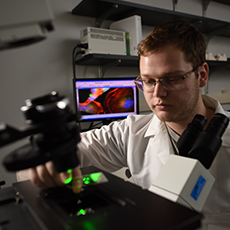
(68, 180)
(81, 212)
(86, 180)
(95, 176)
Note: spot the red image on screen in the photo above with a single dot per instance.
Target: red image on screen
(106, 100)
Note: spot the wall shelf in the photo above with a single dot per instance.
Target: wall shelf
(151, 16)
(132, 61)
(105, 59)
(226, 2)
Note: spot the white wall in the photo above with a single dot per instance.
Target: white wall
(38, 69)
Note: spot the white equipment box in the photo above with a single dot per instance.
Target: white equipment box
(103, 41)
(185, 181)
(132, 26)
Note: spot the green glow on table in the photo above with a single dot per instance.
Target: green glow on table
(95, 176)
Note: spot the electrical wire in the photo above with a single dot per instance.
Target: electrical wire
(74, 56)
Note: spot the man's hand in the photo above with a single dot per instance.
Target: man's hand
(45, 176)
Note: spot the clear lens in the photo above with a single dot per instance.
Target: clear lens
(173, 83)
(170, 84)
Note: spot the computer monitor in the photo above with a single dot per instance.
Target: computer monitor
(105, 98)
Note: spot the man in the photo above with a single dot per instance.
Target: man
(172, 72)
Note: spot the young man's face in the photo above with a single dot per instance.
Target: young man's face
(170, 106)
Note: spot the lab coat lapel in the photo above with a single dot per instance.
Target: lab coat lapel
(160, 144)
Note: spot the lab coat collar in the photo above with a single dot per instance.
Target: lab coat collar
(160, 139)
(213, 103)
(155, 126)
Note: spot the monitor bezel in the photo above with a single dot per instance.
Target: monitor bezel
(99, 118)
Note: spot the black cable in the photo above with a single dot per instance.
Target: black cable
(74, 56)
(85, 46)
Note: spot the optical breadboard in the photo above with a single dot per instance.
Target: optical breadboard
(103, 41)
(132, 27)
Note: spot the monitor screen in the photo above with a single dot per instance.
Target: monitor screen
(105, 98)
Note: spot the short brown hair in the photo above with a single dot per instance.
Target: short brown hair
(182, 34)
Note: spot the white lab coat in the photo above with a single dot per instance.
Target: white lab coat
(142, 144)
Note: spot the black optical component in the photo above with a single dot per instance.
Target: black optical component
(209, 141)
(190, 135)
(53, 135)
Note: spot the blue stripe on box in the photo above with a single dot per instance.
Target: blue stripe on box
(198, 187)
